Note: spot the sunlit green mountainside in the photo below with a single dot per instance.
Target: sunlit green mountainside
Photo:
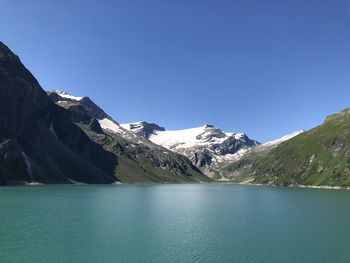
(320, 156)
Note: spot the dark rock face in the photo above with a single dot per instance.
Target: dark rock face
(232, 145)
(38, 140)
(201, 158)
(214, 133)
(86, 102)
(204, 156)
(21, 98)
(93, 109)
(145, 129)
(11, 157)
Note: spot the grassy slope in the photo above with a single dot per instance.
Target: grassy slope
(320, 156)
(135, 163)
(141, 171)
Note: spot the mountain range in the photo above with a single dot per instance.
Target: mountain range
(56, 137)
(207, 147)
(46, 142)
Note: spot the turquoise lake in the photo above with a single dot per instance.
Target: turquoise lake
(173, 223)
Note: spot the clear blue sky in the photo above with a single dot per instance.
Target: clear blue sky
(266, 68)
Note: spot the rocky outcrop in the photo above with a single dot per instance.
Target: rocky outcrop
(144, 129)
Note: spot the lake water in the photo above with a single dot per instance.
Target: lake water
(173, 223)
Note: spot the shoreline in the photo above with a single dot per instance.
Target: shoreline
(325, 187)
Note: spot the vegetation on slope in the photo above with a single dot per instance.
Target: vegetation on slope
(320, 156)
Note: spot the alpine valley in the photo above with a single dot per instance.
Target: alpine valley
(56, 137)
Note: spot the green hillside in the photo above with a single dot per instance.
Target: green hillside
(320, 156)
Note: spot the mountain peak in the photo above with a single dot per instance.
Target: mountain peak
(204, 145)
(345, 111)
(61, 97)
(143, 128)
(6, 53)
(208, 126)
(66, 95)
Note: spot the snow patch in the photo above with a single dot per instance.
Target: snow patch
(189, 138)
(133, 126)
(114, 127)
(68, 96)
(107, 124)
(231, 157)
(282, 139)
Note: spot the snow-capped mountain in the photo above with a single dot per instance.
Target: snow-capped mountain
(205, 146)
(106, 122)
(138, 158)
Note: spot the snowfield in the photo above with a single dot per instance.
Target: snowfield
(189, 138)
(283, 138)
(204, 146)
(64, 94)
(186, 138)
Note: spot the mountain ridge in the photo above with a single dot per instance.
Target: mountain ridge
(42, 141)
(209, 148)
(55, 137)
(137, 147)
(317, 157)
